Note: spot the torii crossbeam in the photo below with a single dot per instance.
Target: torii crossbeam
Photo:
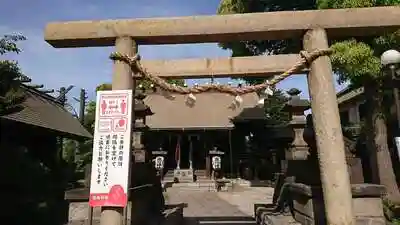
(201, 29)
(313, 26)
(255, 66)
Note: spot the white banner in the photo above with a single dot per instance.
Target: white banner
(111, 149)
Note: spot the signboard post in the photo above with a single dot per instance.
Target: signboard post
(111, 149)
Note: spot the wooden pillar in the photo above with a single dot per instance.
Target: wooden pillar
(230, 153)
(329, 137)
(122, 80)
(190, 138)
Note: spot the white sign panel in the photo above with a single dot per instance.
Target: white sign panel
(111, 149)
(159, 162)
(216, 162)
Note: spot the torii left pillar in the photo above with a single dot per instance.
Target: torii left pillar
(122, 80)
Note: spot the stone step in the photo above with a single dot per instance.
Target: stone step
(194, 184)
(199, 178)
(199, 173)
(169, 173)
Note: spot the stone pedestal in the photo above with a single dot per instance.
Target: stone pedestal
(184, 175)
(308, 204)
(78, 214)
(79, 211)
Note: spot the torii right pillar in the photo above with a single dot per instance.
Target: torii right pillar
(329, 138)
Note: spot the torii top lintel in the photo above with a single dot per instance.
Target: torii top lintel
(202, 29)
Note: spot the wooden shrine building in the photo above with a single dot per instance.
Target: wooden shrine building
(188, 134)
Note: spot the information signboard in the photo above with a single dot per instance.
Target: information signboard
(111, 149)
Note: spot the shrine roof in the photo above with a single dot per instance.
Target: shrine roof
(211, 111)
(43, 110)
(349, 94)
(250, 114)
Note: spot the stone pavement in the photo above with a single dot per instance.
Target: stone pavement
(204, 207)
(245, 198)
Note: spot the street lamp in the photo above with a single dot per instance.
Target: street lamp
(391, 60)
(390, 57)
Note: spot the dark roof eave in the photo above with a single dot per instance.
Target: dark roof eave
(65, 134)
(191, 128)
(75, 137)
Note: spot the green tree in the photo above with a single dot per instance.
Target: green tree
(11, 77)
(273, 105)
(269, 47)
(84, 153)
(355, 60)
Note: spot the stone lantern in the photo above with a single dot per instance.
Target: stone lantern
(298, 164)
(302, 178)
(296, 106)
(141, 111)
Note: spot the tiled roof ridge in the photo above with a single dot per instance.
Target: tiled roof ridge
(41, 94)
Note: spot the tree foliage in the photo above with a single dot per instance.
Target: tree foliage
(353, 61)
(8, 43)
(261, 47)
(249, 48)
(11, 94)
(275, 115)
(356, 60)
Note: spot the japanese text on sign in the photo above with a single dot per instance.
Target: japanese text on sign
(111, 149)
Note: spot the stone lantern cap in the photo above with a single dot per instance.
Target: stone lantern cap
(295, 103)
(141, 109)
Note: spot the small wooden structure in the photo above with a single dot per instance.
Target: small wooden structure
(33, 174)
(43, 111)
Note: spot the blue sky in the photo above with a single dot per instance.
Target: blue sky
(88, 67)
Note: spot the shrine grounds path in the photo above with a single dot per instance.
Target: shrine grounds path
(208, 207)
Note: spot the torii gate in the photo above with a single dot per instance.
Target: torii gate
(313, 26)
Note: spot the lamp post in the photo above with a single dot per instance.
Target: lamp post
(391, 60)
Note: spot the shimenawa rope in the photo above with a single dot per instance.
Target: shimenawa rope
(134, 62)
